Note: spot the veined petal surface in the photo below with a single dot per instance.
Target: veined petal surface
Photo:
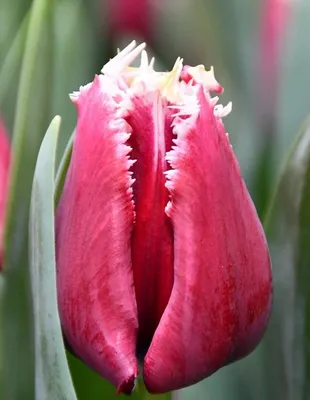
(221, 297)
(93, 236)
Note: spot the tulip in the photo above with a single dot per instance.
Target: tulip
(275, 17)
(130, 17)
(160, 251)
(5, 160)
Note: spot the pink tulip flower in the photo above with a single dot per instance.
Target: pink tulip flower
(273, 27)
(130, 17)
(160, 251)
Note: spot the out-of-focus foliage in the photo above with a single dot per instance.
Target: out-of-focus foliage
(17, 311)
(287, 226)
(52, 375)
(71, 40)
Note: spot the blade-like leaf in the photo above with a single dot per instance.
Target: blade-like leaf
(12, 60)
(30, 123)
(62, 169)
(288, 227)
(303, 276)
(76, 44)
(52, 376)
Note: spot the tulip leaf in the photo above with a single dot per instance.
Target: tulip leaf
(63, 168)
(12, 60)
(288, 227)
(75, 58)
(52, 376)
(303, 276)
(31, 118)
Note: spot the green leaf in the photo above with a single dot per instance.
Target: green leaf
(262, 177)
(76, 51)
(63, 168)
(12, 60)
(303, 277)
(288, 227)
(30, 124)
(52, 376)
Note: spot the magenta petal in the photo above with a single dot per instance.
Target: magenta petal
(93, 231)
(5, 161)
(221, 298)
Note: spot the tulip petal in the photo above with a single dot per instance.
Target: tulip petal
(5, 161)
(152, 241)
(221, 297)
(93, 239)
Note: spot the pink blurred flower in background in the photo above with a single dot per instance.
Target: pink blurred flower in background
(274, 20)
(159, 248)
(130, 17)
(5, 159)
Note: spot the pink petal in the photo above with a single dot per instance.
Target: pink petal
(152, 242)
(5, 161)
(221, 297)
(93, 232)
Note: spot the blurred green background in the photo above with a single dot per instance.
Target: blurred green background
(260, 50)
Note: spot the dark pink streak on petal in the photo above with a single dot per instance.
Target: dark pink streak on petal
(221, 298)
(152, 243)
(5, 161)
(93, 230)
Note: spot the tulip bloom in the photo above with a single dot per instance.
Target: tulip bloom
(5, 160)
(130, 17)
(160, 251)
(275, 16)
